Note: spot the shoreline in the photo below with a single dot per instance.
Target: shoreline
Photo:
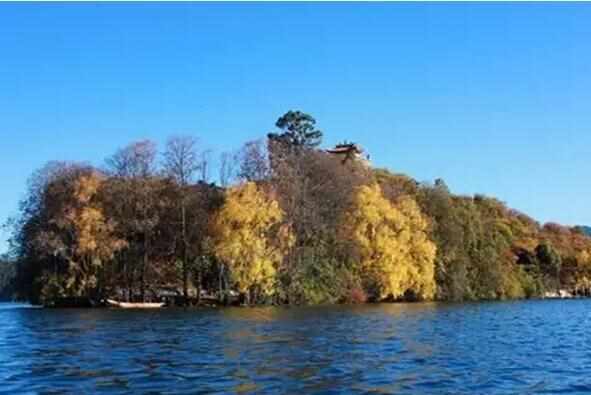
(219, 306)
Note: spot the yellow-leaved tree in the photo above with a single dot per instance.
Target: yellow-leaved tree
(95, 243)
(82, 236)
(249, 237)
(392, 249)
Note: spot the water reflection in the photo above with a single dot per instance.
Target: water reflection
(518, 347)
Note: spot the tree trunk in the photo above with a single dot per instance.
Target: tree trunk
(220, 290)
(199, 286)
(144, 269)
(127, 279)
(185, 253)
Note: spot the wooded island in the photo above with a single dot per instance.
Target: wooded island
(286, 223)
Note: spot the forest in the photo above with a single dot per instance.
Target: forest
(285, 222)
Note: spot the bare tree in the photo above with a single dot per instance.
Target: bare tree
(227, 168)
(204, 161)
(182, 162)
(254, 161)
(181, 159)
(133, 161)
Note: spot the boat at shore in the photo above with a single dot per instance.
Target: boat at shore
(130, 305)
(560, 294)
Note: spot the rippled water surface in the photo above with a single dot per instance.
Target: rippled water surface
(487, 348)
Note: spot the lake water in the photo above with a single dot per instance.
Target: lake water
(481, 348)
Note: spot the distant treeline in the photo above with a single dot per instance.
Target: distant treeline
(285, 223)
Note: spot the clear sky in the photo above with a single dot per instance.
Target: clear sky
(493, 98)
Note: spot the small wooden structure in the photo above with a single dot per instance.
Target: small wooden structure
(349, 151)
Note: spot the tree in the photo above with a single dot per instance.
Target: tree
(135, 197)
(550, 263)
(391, 248)
(487, 244)
(181, 163)
(313, 189)
(33, 219)
(204, 165)
(254, 161)
(451, 263)
(76, 235)
(249, 237)
(96, 243)
(227, 168)
(298, 131)
(136, 160)
(181, 159)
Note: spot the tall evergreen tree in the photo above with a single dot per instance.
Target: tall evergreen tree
(298, 130)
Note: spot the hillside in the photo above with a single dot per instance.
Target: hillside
(288, 223)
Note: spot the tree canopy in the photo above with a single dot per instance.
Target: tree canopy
(392, 250)
(286, 223)
(249, 237)
(298, 130)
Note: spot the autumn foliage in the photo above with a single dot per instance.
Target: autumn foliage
(286, 223)
(392, 250)
(249, 236)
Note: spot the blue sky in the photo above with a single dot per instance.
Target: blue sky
(494, 98)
